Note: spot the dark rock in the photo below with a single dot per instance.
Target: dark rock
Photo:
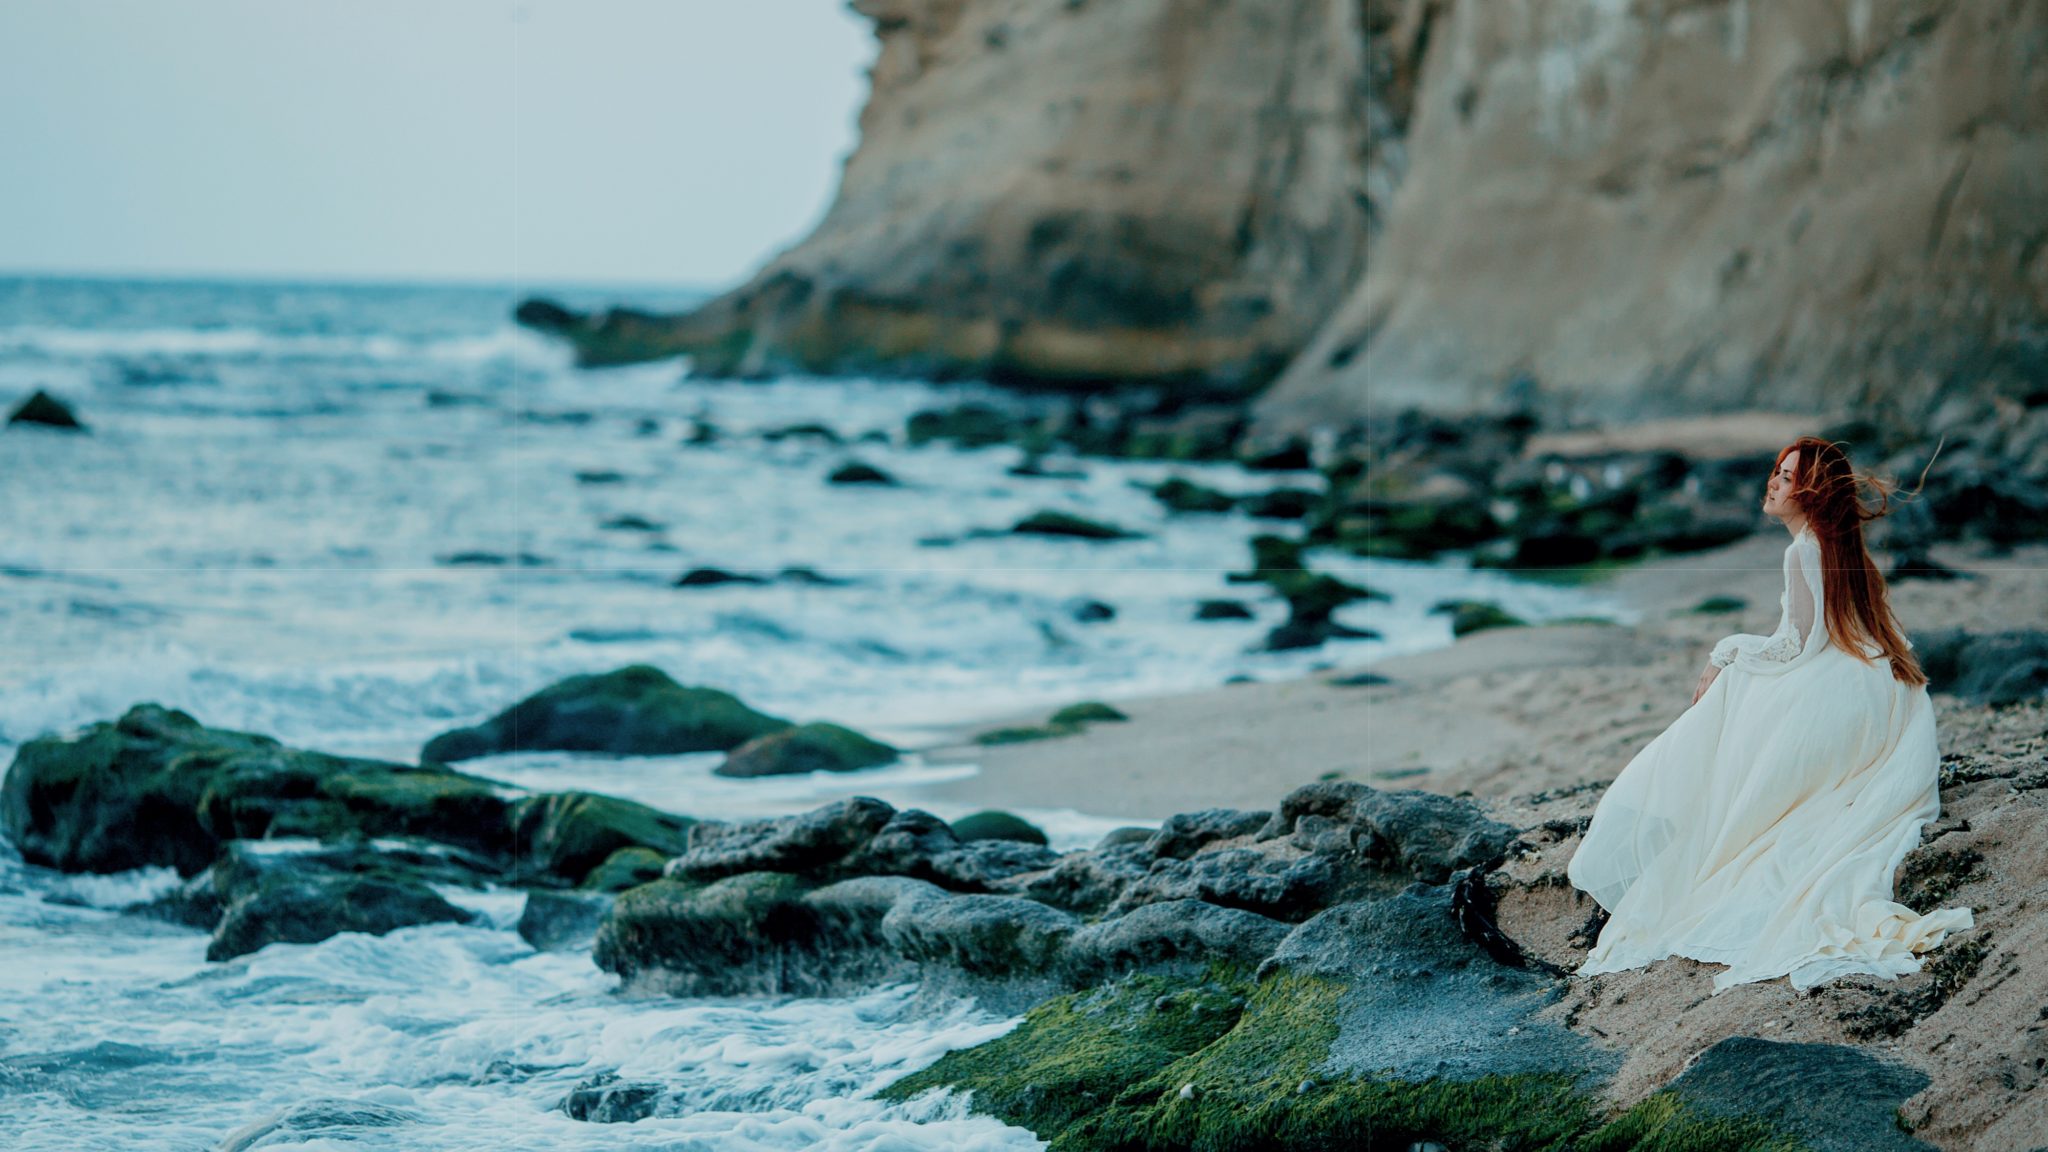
(1985, 667)
(1237, 878)
(970, 425)
(988, 865)
(46, 411)
(555, 921)
(1087, 712)
(819, 432)
(1290, 456)
(630, 524)
(626, 868)
(1186, 833)
(1358, 680)
(1067, 524)
(157, 787)
(1087, 883)
(904, 846)
(304, 898)
(1408, 833)
(809, 842)
(1183, 495)
(1033, 467)
(798, 574)
(1469, 616)
(1129, 834)
(1717, 605)
(712, 577)
(814, 747)
(475, 558)
(634, 711)
(566, 834)
(1282, 503)
(1173, 930)
(600, 476)
(991, 825)
(605, 1099)
(1223, 610)
(860, 472)
(1093, 611)
(1833, 1097)
(990, 936)
(1919, 566)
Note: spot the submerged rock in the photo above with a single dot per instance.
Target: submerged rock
(633, 711)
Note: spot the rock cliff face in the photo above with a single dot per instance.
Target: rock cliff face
(1619, 209)
(1602, 208)
(1067, 191)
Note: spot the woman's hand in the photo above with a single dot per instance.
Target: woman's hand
(1706, 680)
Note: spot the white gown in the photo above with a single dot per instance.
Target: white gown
(1762, 828)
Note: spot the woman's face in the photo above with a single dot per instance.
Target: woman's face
(1778, 500)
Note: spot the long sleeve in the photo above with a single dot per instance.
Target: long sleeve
(1799, 613)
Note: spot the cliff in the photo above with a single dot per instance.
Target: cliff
(1632, 209)
(1064, 191)
(1588, 207)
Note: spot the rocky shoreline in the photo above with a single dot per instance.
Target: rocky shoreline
(1354, 963)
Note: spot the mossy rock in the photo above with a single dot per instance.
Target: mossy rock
(1067, 524)
(633, 711)
(1720, 605)
(626, 868)
(567, 834)
(993, 825)
(1024, 733)
(725, 928)
(1087, 712)
(1148, 1064)
(47, 411)
(1183, 495)
(814, 747)
(860, 472)
(969, 425)
(1469, 616)
(158, 787)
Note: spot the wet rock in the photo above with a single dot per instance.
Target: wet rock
(799, 574)
(989, 936)
(633, 711)
(1223, 610)
(970, 425)
(1069, 525)
(626, 868)
(1183, 495)
(1835, 1098)
(1168, 931)
(821, 433)
(713, 577)
(860, 472)
(806, 843)
(1092, 612)
(1282, 503)
(46, 411)
(1469, 616)
(988, 865)
(1995, 668)
(723, 938)
(1087, 712)
(1407, 833)
(556, 921)
(157, 787)
(1087, 883)
(567, 834)
(596, 476)
(630, 523)
(1182, 835)
(306, 897)
(605, 1099)
(993, 825)
(1919, 566)
(1719, 605)
(814, 747)
(1243, 878)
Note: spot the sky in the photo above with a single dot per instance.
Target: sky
(674, 142)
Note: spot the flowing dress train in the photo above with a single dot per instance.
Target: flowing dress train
(1762, 828)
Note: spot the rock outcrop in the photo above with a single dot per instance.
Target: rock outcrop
(1062, 192)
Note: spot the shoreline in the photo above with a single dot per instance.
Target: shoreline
(1495, 714)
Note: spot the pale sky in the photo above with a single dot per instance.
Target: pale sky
(673, 141)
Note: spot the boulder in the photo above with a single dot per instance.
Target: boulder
(567, 834)
(556, 921)
(633, 711)
(626, 868)
(45, 410)
(807, 843)
(992, 825)
(1411, 834)
(814, 747)
(1985, 667)
(605, 1099)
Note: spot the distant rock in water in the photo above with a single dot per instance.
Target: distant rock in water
(712, 577)
(633, 711)
(1068, 524)
(860, 472)
(1223, 610)
(268, 897)
(814, 747)
(45, 410)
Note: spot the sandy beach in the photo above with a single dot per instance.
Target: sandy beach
(1496, 714)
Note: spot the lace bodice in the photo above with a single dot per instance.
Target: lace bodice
(1801, 625)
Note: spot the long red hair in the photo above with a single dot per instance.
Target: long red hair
(1858, 609)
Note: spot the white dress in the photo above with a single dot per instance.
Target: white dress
(1762, 828)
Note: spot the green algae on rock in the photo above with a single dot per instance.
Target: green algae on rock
(632, 711)
(814, 747)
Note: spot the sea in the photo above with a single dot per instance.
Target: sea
(352, 516)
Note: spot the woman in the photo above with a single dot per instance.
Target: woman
(1761, 829)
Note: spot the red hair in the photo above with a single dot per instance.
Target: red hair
(1858, 609)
